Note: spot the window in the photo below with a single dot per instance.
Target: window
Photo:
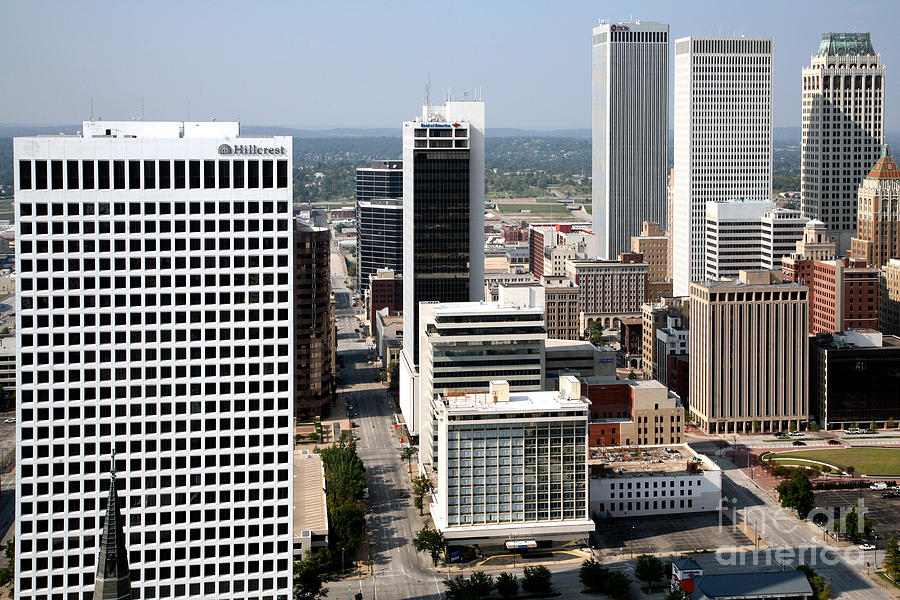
(87, 174)
(103, 174)
(194, 175)
(165, 175)
(119, 174)
(267, 174)
(40, 174)
(149, 174)
(25, 174)
(72, 174)
(238, 173)
(252, 173)
(224, 179)
(179, 175)
(209, 174)
(56, 174)
(134, 174)
(282, 174)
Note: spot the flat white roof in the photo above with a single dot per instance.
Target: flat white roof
(162, 129)
(310, 513)
(519, 402)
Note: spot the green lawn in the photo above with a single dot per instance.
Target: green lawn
(866, 461)
(537, 208)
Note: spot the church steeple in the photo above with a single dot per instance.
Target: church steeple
(113, 579)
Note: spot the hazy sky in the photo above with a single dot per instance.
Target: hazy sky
(312, 63)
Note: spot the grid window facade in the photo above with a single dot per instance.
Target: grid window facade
(156, 323)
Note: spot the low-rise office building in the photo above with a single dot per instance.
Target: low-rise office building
(889, 298)
(633, 412)
(512, 465)
(854, 377)
(385, 290)
(655, 316)
(576, 357)
(610, 289)
(653, 243)
(654, 480)
(757, 584)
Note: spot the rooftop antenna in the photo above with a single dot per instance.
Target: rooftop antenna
(92, 108)
(428, 90)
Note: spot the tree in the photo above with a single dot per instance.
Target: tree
(873, 425)
(632, 375)
(307, 581)
(421, 485)
(537, 580)
(849, 525)
(891, 561)
(851, 469)
(618, 585)
(756, 425)
(348, 523)
(431, 541)
(792, 427)
(593, 575)
(891, 424)
(797, 493)
(477, 587)
(649, 569)
(820, 587)
(507, 585)
(814, 426)
(407, 453)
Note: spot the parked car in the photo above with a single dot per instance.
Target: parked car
(10, 420)
(799, 443)
(867, 546)
(780, 436)
(878, 485)
(890, 494)
(796, 434)
(354, 424)
(869, 430)
(834, 442)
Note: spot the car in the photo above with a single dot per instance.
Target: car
(10, 420)
(780, 436)
(404, 494)
(867, 546)
(799, 443)
(878, 485)
(890, 494)
(365, 493)
(834, 442)
(354, 424)
(870, 431)
(796, 434)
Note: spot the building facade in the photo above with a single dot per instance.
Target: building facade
(385, 291)
(842, 129)
(629, 117)
(443, 223)
(653, 243)
(550, 245)
(610, 289)
(749, 354)
(889, 299)
(723, 142)
(165, 335)
(655, 316)
(854, 377)
(633, 412)
(379, 238)
(878, 213)
(749, 235)
(532, 483)
(382, 179)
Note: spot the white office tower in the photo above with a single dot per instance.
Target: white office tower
(443, 223)
(629, 108)
(464, 345)
(749, 235)
(842, 130)
(723, 138)
(513, 465)
(154, 321)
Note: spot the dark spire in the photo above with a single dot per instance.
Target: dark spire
(113, 580)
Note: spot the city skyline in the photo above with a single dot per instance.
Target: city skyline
(541, 54)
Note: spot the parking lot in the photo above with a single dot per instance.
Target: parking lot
(884, 512)
(676, 533)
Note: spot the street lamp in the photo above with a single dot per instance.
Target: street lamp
(342, 561)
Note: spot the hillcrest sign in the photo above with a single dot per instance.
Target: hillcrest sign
(250, 150)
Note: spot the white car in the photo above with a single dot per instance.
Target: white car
(796, 434)
(10, 420)
(880, 485)
(867, 546)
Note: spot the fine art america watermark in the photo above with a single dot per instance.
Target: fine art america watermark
(810, 545)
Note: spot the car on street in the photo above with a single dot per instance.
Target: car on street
(354, 424)
(799, 443)
(867, 546)
(878, 485)
(890, 494)
(780, 436)
(10, 420)
(796, 434)
(834, 442)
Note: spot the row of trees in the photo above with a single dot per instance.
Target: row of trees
(480, 585)
(891, 561)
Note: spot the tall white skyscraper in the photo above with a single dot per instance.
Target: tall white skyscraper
(443, 223)
(723, 138)
(154, 321)
(842, 129)
(629, 107)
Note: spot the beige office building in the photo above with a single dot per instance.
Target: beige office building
(654, 245)
(749, 354)
(889, 303)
